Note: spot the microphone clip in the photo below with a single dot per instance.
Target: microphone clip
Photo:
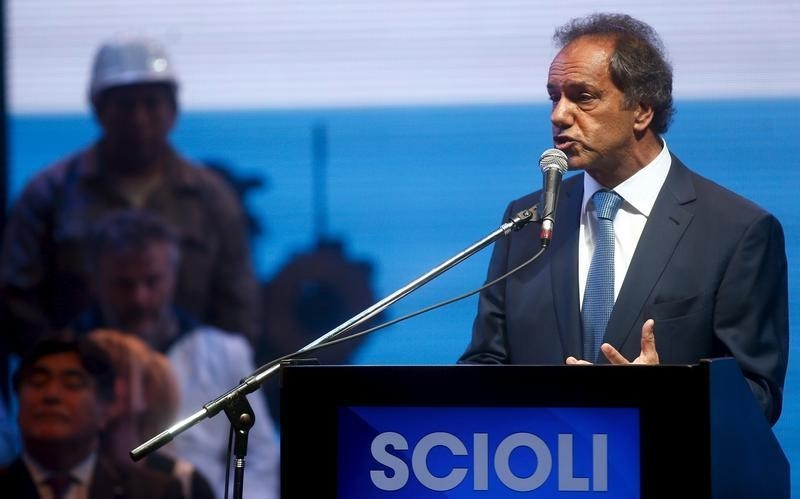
(525, 217)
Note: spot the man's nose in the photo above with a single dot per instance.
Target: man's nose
(140, 294)
(562, 115)
(138, 112)
(52, 390)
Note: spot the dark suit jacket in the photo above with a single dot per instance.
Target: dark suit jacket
(710, 268)
(108, 482)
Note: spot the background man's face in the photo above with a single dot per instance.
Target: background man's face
(135, 289)
(59, 403)
(136, 121)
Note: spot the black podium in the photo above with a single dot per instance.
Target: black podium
(352, 432)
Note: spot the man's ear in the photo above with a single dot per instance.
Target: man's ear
(642, 117)
(105, 414)
(96, 104)
(118, 407)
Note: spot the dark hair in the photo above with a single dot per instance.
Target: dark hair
(638, 67)
(129, 230)
(93, 358)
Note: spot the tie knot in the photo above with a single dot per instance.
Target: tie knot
(606, 203)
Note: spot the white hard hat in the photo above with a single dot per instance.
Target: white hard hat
(128, 62)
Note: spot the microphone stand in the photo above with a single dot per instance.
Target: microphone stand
(239, 412)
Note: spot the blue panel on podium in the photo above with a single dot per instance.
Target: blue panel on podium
(360, 432)
(504, 452)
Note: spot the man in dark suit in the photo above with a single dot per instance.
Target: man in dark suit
(675, 257)
(65, 386)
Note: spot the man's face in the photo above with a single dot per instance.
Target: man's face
(135, 289)
(590, 121)
(136, 121)
(59, 403)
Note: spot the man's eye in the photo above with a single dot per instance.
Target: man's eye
(75, 381)
(126, 103)
(39, 378)
(152, 102)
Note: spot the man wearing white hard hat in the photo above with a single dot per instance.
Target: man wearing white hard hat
(133, 93)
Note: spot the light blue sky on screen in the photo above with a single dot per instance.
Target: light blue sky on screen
(435, 113)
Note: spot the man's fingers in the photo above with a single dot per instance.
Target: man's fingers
(649, 352)
(612, 354)
(572, 361)
(648, 355)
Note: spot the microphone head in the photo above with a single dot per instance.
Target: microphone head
(553, 158)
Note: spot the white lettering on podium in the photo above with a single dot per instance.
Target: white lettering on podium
(419, 461)
(400, 476)
(502, 457)
(600, 462)
(567, 481)
(480, 461)
(397, 476)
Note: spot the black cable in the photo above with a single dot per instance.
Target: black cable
(228, 461)
(413, 314)
(376, 328)
(349, 337)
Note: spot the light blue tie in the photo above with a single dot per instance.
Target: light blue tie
(598, 298)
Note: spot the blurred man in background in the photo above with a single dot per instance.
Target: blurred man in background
(65, 389)
(133, 258)
(133, 93)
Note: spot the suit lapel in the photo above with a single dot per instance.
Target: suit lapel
(19, 482)
(663, 231)
(107, 481)
(564, 266)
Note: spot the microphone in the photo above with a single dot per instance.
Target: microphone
(553, 164)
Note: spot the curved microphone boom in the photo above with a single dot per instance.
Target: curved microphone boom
(553, 164)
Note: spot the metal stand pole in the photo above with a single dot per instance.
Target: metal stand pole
(254, 381)
(242, 418)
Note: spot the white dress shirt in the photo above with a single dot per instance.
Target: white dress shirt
(209, 362)
(639, 194)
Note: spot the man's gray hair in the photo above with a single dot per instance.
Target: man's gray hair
(639, 67)
(129, 230)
